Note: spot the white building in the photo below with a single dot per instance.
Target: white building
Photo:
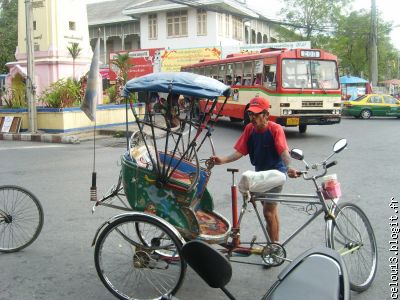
(127, 24)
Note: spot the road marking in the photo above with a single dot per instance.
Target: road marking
(32, 147)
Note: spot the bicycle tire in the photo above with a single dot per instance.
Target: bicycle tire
(24, 218)
(131, 269)
(351, 229)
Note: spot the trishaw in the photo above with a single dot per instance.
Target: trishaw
(162, 188)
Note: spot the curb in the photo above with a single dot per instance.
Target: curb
(37, 137)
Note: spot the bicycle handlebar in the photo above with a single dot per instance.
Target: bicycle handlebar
(325, 166)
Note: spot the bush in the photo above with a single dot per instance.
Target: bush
(14, 97)
(62, 93)
(112, 94)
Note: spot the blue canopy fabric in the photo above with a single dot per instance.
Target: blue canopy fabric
(181, 83)
(351, 80)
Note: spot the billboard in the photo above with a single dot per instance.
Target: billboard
(146, 61)
(173, 60)
(143, 61)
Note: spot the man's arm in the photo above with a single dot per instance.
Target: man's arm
(219, 160)
(292, 173)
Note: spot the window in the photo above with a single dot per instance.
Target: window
(201, 22)
(238, 77)
(72, 25)
(227, 26)
(390, 100)
(237, 28)
(309, 74)
(220, 24)
(270, 76)
(221, 73)
(34, 25)
(375, 99)
(152, 26)
(229, 75)
(177, 24)
(248, 73)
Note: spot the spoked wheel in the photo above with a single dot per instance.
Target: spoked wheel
(351, 234)
(137, 257)
(273, 255)
(21, 218)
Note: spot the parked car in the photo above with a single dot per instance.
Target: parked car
(369, 105)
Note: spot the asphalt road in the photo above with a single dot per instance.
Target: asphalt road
(59, 264)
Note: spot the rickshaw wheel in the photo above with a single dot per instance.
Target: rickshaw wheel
(138, 257)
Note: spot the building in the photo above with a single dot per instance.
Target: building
(56, 25)
(132, 24)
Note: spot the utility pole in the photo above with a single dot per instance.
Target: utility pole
(30, 82)
(373, 76)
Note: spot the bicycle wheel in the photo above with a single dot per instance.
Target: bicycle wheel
(351, 234)
(133, 268)
(21, 218)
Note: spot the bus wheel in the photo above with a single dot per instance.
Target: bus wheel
(302, 128)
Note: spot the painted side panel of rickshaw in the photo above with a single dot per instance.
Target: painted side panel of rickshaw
(176, 207)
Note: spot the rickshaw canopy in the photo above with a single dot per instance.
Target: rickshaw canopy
(182, 83)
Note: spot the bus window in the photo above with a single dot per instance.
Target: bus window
(238, 73)
(247, 73)
(221, 73)
(309, 74)
(270, 77)
(257, 79)
(326, 75)
(207, 71)
(258, 69)
(229, 75)
(214, 72)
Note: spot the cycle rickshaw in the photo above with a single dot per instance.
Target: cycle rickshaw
(162, 188)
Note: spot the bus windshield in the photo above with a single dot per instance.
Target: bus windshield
(309, 74)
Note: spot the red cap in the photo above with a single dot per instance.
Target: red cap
(258, 104)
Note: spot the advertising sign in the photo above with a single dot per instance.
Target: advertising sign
(143, 61)
(173, 60)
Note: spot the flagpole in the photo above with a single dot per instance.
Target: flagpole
(88, 106)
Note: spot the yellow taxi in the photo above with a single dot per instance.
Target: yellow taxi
(369, 105)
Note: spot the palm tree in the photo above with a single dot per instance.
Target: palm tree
(121, 61)
(74, 50)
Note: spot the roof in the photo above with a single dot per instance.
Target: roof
(116, 11)
(109, 11)
(232, 6)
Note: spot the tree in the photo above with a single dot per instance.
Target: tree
(350, 43)
(312, 16)
(121, 61)
(8, 32)
(74, 50)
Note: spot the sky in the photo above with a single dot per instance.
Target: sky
(388, 8)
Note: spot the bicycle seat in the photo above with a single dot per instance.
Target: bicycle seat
(259, 182)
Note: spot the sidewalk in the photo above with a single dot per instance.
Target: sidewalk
(77, 137)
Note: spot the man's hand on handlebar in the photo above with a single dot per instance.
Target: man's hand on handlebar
(217, 160)
(293, 173)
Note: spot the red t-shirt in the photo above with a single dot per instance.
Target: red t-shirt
(263, 146)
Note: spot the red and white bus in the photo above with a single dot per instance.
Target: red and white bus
(302, 85)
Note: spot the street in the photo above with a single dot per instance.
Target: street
(60, 264)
